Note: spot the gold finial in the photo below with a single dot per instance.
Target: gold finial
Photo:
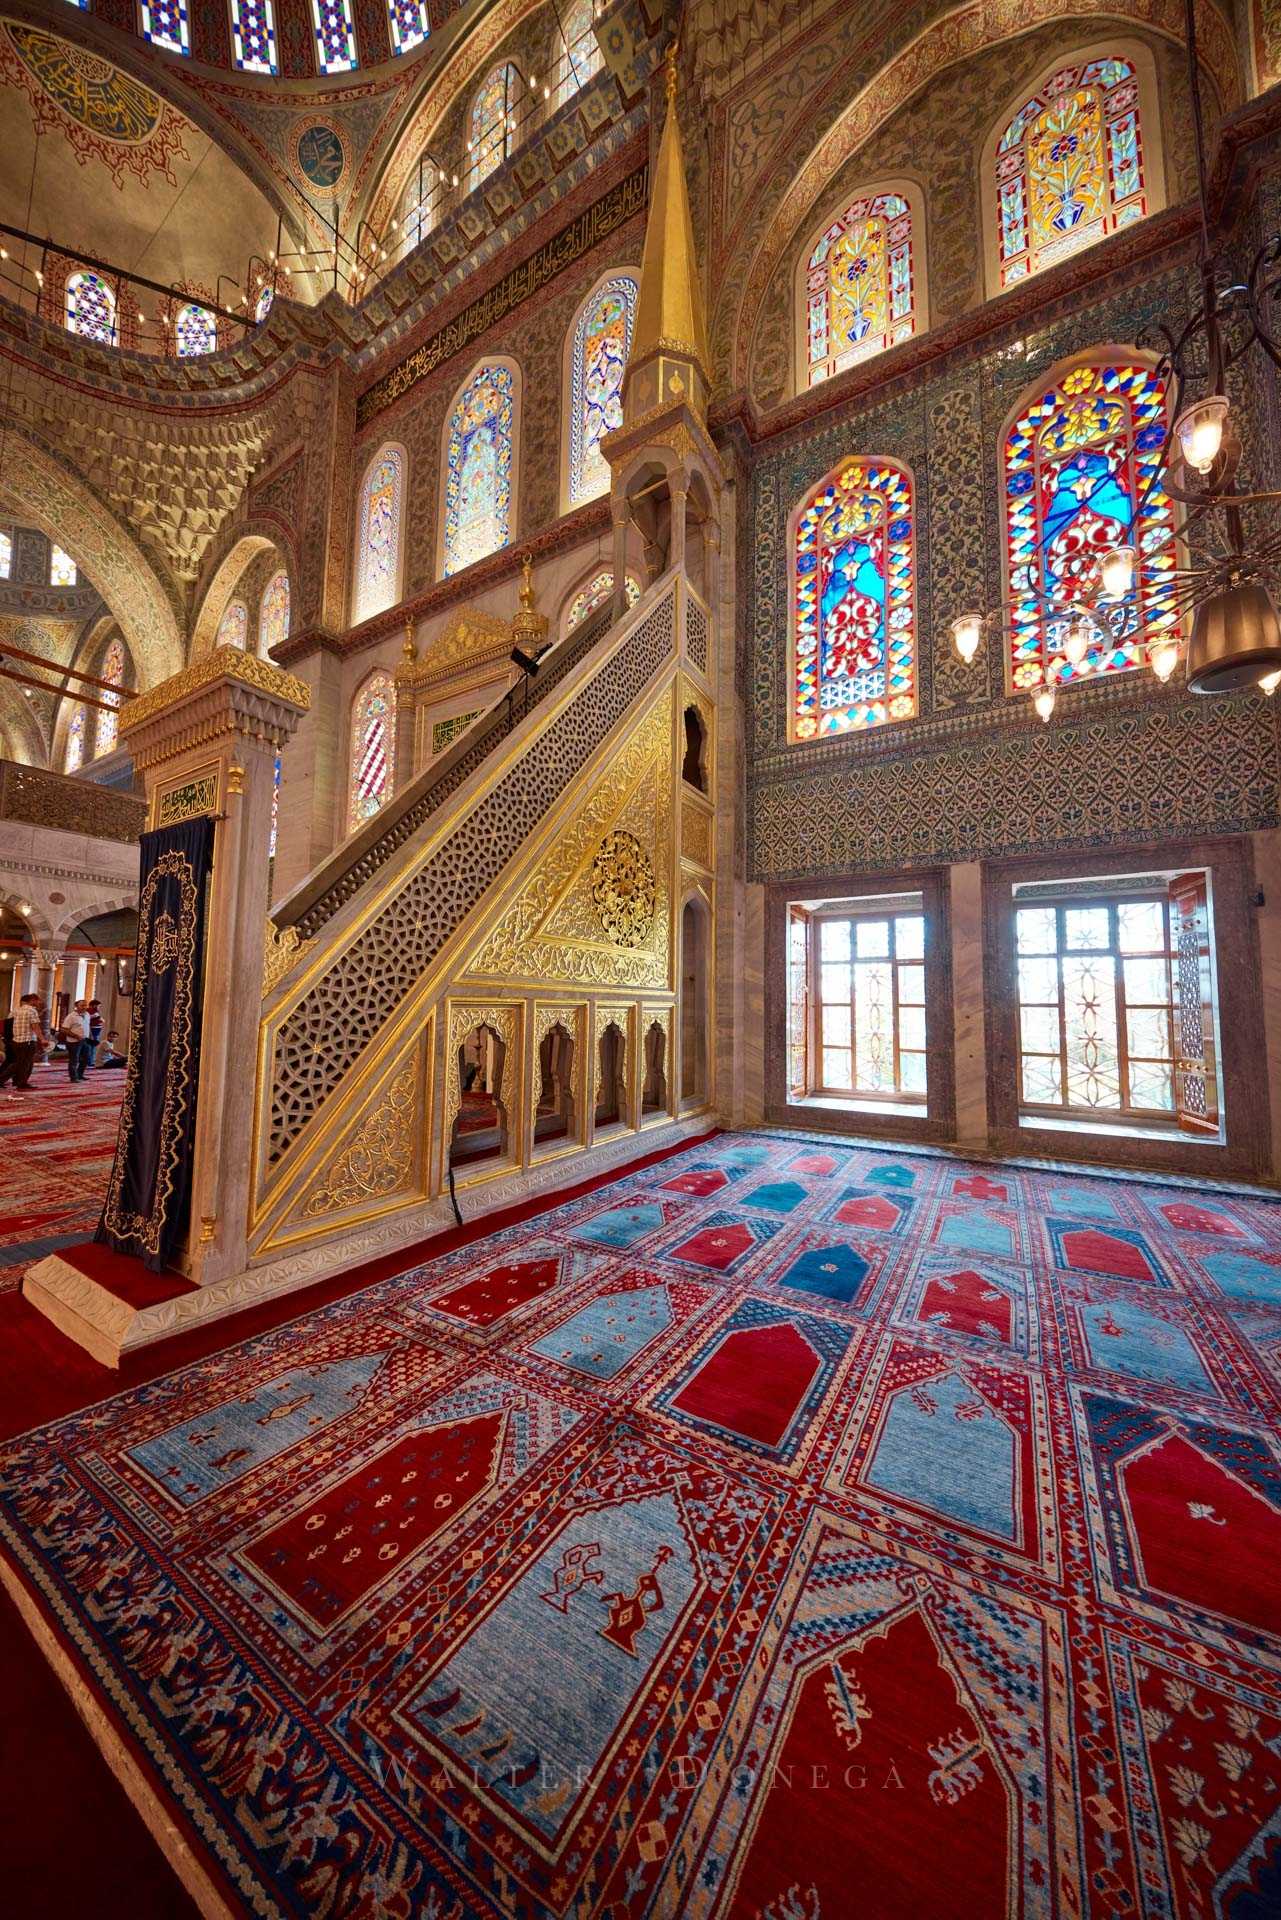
(235, 778)
(409, 651)
(670, 59)
(527, 581)
(529, 628)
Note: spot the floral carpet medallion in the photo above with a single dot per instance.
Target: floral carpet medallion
(780, 1532)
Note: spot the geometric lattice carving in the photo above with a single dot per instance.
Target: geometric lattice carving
(345, 1008)
(696, 635)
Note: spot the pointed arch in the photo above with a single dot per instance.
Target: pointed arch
(580, 55)
(372, 777)
(379, 525)
(596, 349)
(853, 616)
(860, 281)
(1071, 159)
(593, 592)
(479, 465)
(1077, 453)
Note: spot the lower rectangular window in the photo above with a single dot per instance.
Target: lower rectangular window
(856, 1001)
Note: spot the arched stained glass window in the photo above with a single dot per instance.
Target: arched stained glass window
(166, 24)
(113, 670)
(1076, 462)
(493, 123)
(76, 728)
(273, 613)
(591, 597)
(253, 36)
(233, 628)
(275, 810)
(1069, 166)
(581, 56)
(195, 330)
(6, 555)
(378, 554)
(62, 568)
(91, 307)
(408, 22)
(478, 468)
(602, 340)
(420, 208)
(854, 602)
(335, 35)
(263, 304)
(373, 748)
(860, 285)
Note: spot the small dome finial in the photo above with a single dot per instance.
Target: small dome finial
(671, 57)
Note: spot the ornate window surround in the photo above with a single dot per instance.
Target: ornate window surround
(913, 193)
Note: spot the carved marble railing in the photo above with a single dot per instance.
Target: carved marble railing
(41, 799)
(363, 856)
(385, 928)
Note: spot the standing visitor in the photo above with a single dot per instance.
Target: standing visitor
(93, 1016)
(20, 1057)
(74, 1033)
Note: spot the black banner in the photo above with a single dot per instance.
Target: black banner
(149, 1197)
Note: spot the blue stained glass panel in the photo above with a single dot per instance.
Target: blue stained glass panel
(408, 22)
(253, 34)
(166, 24)
(335, 35)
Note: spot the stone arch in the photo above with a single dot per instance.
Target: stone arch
(41, 929)
(236, 553)
(19, 728)
(779, 206)
(91, 910)
(38, 490)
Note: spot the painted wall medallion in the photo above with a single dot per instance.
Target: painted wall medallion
(319, 156)
(99, 110)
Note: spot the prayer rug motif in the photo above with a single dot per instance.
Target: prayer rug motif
(690, 1549)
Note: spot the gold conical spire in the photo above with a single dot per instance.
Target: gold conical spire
(669, 310)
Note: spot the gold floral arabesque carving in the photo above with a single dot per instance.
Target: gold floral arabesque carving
(188, 801)
(623, 888)
(696, 834)
(223, 663)
(526, 945)
(282, 948)
(379, 1157)
(547, 1017)
(468, 637)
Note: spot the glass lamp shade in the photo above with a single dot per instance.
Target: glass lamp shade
(1163, 658)
(1236, 639)
(1078, 642)
(1116, 572)
(1200, 430)
(1044, 702)
(1270, 682)
(967, 631)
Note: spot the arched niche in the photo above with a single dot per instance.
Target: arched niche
(611, 1078)
(655, 1098)
(555, 1105)
(695, 1002)
(694, 760)
(481, 1130)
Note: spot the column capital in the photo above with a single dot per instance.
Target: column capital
(227, 694)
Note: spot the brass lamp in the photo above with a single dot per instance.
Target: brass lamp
(1236, 639)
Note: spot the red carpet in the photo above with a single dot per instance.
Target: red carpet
(768, 1524)
(58, 1140)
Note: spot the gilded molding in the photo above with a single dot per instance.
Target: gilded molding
(378, 1160)
(282, 949)
(223, 663)
(469, 637)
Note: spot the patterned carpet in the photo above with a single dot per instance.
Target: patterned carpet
(58, 1143)
(786, 1531)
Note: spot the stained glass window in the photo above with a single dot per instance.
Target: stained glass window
(273, 613)
(409, 23)
(195, 330)
(602, 340)
(112, 669)
(373, 748)
(581, 56)
(76, 740)
(91, 307)
(1076, 463)
(233, 628)
(478, 476)
(493, 122)
(6, 555)
(275, 809)
(420, 208)
(377, 560)
(854, 585)
(253, 35)
(597, 591)
(166, 24)
(860, 285)
(263, 304)
(62, 568)
(1069, 166)
(335, 35)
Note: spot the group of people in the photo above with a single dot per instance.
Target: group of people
(27, 1039)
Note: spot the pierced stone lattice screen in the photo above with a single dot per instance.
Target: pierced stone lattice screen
(336, 1019)
(416, 813)
(696, 634)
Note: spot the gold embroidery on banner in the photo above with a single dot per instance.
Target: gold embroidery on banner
(378, 1159)
(623, 888)
(188, 801)
(164, 944)
(611, 211)
(146, 1228)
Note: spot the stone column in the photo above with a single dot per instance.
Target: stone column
(312, 773)
(206, 742)
(969, 1013)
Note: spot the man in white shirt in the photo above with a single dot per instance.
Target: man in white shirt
(75, 1032)
(26, 1044)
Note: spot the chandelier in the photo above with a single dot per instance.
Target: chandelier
(1221, 542)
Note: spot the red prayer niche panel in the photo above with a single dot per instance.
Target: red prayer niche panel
(1200, 1782)
(899, 1717)
(976, 1303)
(959, 1440)
(1185, 1518)
(484, 1295)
